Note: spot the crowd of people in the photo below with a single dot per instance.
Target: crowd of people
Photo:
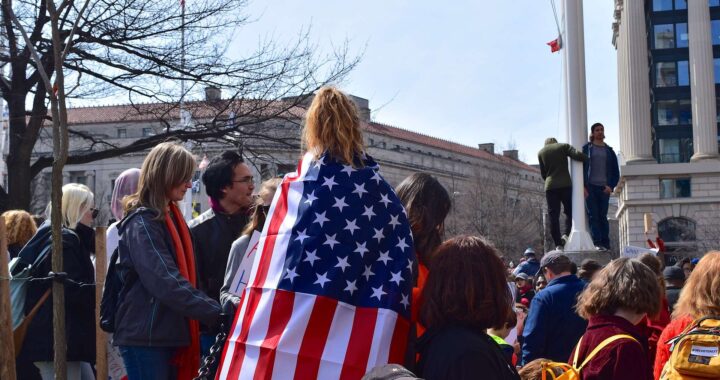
(467, 314)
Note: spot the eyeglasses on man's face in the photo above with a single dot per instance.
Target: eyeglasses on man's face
(247, 180)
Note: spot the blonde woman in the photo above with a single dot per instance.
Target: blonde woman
(77, 214)
(700, 297)
(335, 253)
(157, 318)
(20, 227)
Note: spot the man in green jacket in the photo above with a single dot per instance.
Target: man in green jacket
(558, 185)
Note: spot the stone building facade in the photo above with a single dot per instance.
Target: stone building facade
(668, 55)
(399, 152)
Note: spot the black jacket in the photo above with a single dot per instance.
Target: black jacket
(154, 309)
(458, 353)
(79, 301)
(213, 234)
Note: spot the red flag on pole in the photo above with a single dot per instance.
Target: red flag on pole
(554, 45)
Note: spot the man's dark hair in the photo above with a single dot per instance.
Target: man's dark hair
(219, 173)
(562, 266)
(592, 128)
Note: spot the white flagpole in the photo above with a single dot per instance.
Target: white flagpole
(576, 102)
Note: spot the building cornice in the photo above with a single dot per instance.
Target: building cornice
(700, 167)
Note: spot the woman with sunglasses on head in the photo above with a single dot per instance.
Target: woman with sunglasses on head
(240, 246)
(77, 240)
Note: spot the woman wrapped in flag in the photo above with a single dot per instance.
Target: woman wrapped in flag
(329, 292)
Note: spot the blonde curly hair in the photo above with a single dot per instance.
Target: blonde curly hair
(20, 226)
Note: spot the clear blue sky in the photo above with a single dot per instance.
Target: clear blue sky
(467, 71)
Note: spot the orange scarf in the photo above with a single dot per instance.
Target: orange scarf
(187, 358)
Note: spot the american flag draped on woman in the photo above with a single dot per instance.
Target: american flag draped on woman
(329, 293)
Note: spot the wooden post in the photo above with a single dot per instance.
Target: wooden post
(101, 365)
(7, 349)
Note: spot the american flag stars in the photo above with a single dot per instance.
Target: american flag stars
(354, 239)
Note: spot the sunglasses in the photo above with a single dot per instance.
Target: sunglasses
(95, 212)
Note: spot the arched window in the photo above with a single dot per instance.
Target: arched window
(677, 230)
(679, 236)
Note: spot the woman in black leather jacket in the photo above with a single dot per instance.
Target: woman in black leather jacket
(77, 214)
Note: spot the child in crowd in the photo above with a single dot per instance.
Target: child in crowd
(614, 302)
(499, 334)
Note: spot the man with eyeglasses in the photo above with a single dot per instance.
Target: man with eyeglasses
(229, 183)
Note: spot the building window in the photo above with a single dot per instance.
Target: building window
(667, 5)
(685, 112)
(681, 35)
(664, 36)
(674, 188)
(716, 63)
(662, 5)
(674, 150)
(283, 169)
(78, 177)
(677, 230)
(666, 113)
(265, 172)
(671, 74)
(665, 74)
(121, 133)
(147, 132)
(714, 3)
(683, 73)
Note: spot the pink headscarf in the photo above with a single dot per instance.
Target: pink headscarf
(125, 184)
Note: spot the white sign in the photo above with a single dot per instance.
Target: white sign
(242, 275)
(633, 252)
(708, 352)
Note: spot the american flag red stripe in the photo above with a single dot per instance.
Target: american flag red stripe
(279, 318)
(359, 344)
(399, 341)
(316, 334)
(282, 334)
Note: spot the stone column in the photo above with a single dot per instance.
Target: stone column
(637, 83)
(90, 175)
(621, 47)
(702, 81)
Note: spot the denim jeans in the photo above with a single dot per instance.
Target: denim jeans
(148, 363)
(596, 204)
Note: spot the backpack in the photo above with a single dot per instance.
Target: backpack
(695, 353)
(564, 371)
(21, 272)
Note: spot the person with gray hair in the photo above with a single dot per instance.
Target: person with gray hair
(558, 185)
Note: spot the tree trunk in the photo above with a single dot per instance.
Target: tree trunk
(19, 179)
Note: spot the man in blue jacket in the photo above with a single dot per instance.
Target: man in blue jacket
(601, 174)
(552, 327)
(530, 266)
